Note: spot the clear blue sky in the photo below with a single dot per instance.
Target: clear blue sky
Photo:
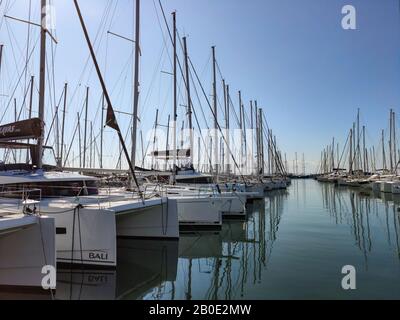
(308, 74)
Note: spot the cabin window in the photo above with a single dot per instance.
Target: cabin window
(197, 180)
(51, 189)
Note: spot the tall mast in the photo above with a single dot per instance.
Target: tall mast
(257, 138)
(42, 81)
(354, 147)
(269, 152)
(275, 155)
(91, 146)
(333, 154)
(15, 119)
(374, 158)
(364, 151)
(286, 164)
(226, 104)
(30, 110)
(143, 155)
(198, 154)
(244, 135)
(215, 139)
(261, 141)
(252, 135)
(136, 84)
(383, 150)
(63, 124)
(394, 140)
(85, 127)
(79, 140)
(155, 139)
(228, 118)
(189, 100)
(338, 156)
(167, 153)
(358, 139)
(351, 152)
(174, 119)
(390, 142)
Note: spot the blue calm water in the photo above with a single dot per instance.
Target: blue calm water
(293, 246)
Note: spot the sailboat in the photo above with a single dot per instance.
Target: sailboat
(87, 222)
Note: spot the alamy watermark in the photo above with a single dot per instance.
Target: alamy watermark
(349, 21)
(349, 280)
(49, 281)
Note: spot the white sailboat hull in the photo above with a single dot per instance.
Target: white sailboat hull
(233, 205)
(155, 219)
(387, 186)
(85, 237)
(257, 191)
(199, 212)
(27, 244)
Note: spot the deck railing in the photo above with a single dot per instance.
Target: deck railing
(24, 201)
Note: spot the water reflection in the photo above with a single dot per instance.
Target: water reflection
(356, 207)
(142, 265)
(293, 245)
(226, 264)
(85, 284)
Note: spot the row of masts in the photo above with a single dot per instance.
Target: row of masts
(362, 159)
(217, 147)
(267, 162)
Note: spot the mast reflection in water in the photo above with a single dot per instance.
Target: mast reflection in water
(293, 245)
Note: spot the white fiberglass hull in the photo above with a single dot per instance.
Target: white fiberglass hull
(85, 235)
(202, 212)
(232, 203)
(153, 219)
(256, 190)
(233, 206)
(275, 185)
(27, 244)
(386, 186)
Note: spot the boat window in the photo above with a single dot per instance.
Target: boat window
(52, 189)
(197, 180)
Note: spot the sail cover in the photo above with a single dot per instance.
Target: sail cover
(21, 130)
